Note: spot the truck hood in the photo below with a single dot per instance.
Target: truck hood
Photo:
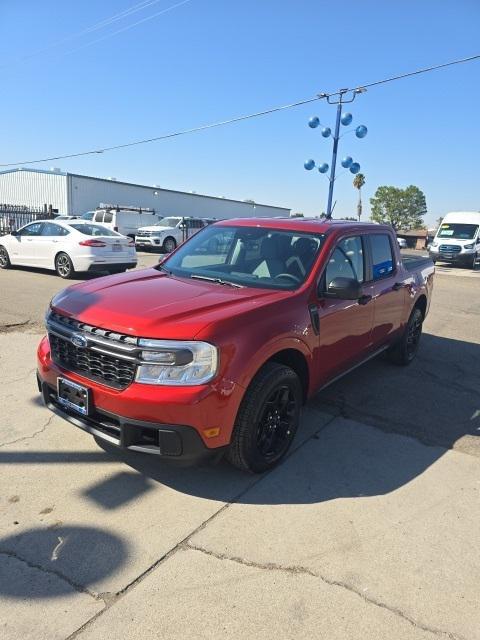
(151, 304)
(158, 228)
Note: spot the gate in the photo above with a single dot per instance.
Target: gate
(14, 216)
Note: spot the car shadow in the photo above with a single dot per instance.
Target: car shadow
(432, 402)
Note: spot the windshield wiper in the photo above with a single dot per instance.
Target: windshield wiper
(217, 281)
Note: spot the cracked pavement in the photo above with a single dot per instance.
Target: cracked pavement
(368, 530)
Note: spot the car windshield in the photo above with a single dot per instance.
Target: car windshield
(247, 256)
(168, 222)
(93, 230)
(88, 215)
(457, 231)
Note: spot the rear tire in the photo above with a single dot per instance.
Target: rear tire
(267, 420)
(406, 349)
(4, 259)
(64, 266)
(169, 244)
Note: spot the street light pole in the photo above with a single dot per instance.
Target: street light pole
(334, 159)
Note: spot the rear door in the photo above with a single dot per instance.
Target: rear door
(49, 243)
(388, 288)
(345, 326)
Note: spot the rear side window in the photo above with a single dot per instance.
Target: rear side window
(108, 217)
(50, 229)
(382, 256)
(93, 230)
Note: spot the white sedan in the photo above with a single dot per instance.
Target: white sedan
(68, 247)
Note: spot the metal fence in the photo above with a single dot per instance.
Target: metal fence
(14, 216)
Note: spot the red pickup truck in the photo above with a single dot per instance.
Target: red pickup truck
(215, 349)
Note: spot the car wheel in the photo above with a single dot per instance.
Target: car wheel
(473, 261)
(169, 245)
(406, 349)
(64, 266)
(4, 259)
(267, 420)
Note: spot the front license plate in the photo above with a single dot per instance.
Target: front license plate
(73, 396)
(116, 247)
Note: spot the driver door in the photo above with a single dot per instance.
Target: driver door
(25, 251)
(345, 326)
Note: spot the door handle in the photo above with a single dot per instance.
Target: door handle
(397, 286)
(364, 299)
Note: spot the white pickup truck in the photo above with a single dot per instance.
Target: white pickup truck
(169, 232)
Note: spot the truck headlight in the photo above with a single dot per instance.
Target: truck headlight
(172, 362)
(434, 244)
(469, 246)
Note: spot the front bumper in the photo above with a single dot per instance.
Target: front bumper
(175, 442)
(182, 423)
(147, 241)
(453, 258)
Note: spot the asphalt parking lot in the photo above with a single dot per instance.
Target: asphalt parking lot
(368, 530)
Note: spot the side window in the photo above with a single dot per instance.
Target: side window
(107, 216)
(31, 230)
(382, 256)
(346, 261)
(50, 229)
(98, 217)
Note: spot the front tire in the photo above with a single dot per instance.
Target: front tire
(169, 245)
(4, 259)
(64, 266)
(267, 420)
(406, 349)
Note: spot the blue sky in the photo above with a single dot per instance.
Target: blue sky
(208, 60)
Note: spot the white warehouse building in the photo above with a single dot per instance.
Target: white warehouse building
(70, 193)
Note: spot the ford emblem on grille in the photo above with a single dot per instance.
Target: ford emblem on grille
(78, 340)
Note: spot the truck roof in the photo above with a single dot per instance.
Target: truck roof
(310, 225)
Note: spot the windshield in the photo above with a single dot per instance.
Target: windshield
(458, 231)
(88, 215)
(247, 256)
(168, 222)
(93, 230)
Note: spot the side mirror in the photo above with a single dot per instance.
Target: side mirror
(344, 289)
(14, 233)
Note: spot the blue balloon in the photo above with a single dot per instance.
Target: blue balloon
(361, 131)
(346, 119)
(323, 168)
(354, 167)
(313, 122)
(347, 161)
(326, 132)
(309, 164)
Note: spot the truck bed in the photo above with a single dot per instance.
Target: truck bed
(413, 263)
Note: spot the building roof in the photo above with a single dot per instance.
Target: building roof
(144, 186)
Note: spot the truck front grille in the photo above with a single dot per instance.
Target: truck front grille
(106, 357)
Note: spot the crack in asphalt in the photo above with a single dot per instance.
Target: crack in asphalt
(31, 436)
(299, 570)
(110, 599)
(24, 377)
(33, 565)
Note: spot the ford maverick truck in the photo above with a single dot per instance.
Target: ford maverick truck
(215, 350)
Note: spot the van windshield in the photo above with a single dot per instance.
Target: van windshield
(457, 231)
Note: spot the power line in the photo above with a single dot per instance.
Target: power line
(250, 116)
(101, 24)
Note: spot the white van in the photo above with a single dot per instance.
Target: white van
(124, 220)
(457, 239)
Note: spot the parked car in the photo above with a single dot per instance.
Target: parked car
(208, 354)
(457, 239)
(125, 220)
(169, 232)
(402, 243)
(62, 217)
(68, 247)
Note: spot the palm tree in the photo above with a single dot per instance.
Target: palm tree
(358, 183)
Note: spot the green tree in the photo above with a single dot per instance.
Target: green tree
(402, 208)
(358, 183)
